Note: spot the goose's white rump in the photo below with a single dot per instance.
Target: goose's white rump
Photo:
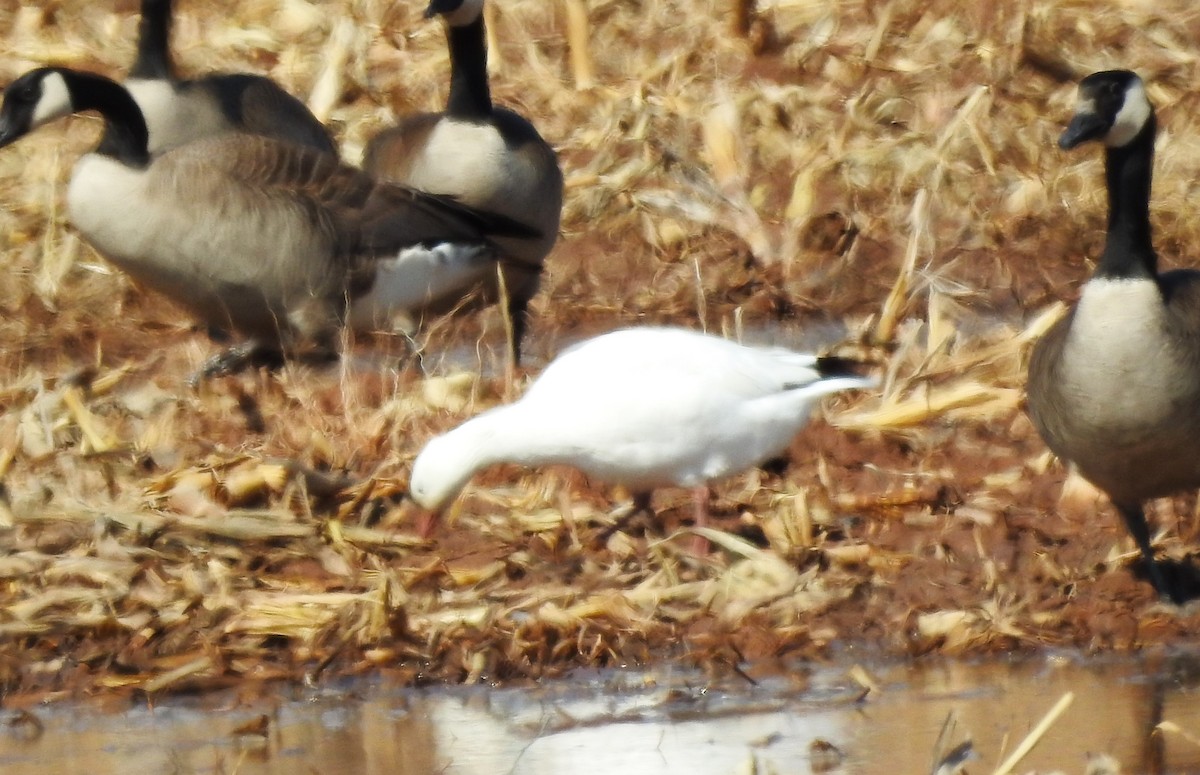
(644, 407)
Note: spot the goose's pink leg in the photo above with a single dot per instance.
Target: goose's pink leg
(700, 499)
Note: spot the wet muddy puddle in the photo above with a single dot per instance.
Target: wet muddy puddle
(808, 720)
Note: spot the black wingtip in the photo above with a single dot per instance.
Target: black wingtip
(500, 226)
(1083, 127)
(839, 366)
(489, 224)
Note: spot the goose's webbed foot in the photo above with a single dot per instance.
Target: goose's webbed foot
(233, 360)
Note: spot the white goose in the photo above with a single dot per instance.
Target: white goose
(1114, 387)
(642, 407)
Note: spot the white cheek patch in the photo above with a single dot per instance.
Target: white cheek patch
(1132, 117)
(418, 276)
(54, 101)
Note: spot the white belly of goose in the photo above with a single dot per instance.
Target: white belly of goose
(106, 203)
(471, 161)
(1118, 369)
(417, 276)
(200, 239)
(149, 225)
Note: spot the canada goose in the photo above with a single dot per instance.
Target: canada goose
(273, 240)
(484, 156)
(642, 407)
(178, 111)
(1114, 387)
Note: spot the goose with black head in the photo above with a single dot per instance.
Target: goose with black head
(272, 240)
(487, 157)
(178, 110)
(1114, 387)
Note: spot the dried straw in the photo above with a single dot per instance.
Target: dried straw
(1035, 735)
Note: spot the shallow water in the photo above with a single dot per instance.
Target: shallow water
(660, 722)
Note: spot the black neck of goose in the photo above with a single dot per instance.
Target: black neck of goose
(125, 135)
(470, 97)
(154, 32)
(1128, 251)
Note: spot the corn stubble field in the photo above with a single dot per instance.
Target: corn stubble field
(884, 174)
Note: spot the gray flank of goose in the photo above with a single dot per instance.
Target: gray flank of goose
(485, 156)
(272, 240)
(1114, 387)
(178, 111)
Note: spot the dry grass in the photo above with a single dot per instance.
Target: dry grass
(885, 171)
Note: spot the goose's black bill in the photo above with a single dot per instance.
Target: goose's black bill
(1083, 127)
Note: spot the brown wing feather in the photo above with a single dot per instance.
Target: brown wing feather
(390, 154)
(363, 215)
(264, 108)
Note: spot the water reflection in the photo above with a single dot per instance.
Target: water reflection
(667, 722)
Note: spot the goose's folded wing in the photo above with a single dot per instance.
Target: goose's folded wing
(379, 216)
(262, 107)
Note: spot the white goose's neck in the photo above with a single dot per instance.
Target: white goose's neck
(507, 434)
(500, 435)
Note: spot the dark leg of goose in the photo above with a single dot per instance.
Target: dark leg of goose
(518, 313)
(217, 334)
(237, 358)
(516, 286)
(414, 353)
(641, 505)
(1135, 521)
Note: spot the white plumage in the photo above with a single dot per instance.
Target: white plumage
(643, 407)
(415, 277)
